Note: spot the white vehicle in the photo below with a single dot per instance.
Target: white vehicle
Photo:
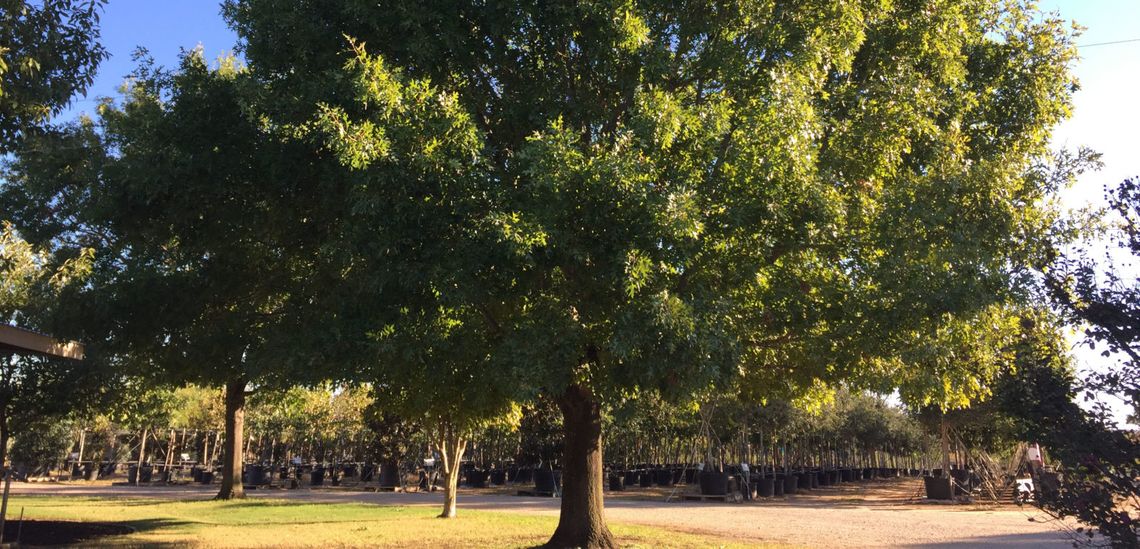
(1024, 490)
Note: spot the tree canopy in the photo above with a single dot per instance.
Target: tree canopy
(677, 194)
(588, 200)
(49, 52)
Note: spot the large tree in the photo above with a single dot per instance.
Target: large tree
(203, 250)
(686, 191)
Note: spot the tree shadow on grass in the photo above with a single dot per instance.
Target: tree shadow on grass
(1011, 541)
(67, 532)
(147, 525)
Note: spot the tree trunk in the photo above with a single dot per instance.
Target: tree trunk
(4, 434)
(142, 456)
(945, 448)
(171, 447)
(582, 522)
(232, 453)
(82, 444)
(451, 447)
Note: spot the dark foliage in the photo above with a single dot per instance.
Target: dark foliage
(540, 431)
(1101, 464)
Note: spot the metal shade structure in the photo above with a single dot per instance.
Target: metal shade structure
(15, 340)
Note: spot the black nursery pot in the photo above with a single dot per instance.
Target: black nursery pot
(791, 484)
(646, 478)
(714, 483)
(690, 476)
(389, 475)
(778, 486)
(663, 477)
(498, 477)
(257, 475)
(825, 478)
(617, 482)
(937, 488)
(206, 477)
(477, 478)
(524, 476)
(544, 480)
(318, 477)
(765, 487)
(629, 478)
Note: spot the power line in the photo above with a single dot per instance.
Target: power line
(1126, 41)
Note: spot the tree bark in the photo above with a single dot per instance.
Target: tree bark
(451, 447)
(4, 435)
(171, 447)
(582, 521)
(142, 456)
(945, 448)
(82, 443)
(232, 453)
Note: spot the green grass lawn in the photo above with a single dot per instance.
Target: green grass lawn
(275, 523)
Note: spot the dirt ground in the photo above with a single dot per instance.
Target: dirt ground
(881, 513)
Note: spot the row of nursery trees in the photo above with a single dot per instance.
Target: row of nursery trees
(344, 426)
(470, 206)
(329, 426)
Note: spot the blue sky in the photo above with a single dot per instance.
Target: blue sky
(164, 27)
(1106, 114)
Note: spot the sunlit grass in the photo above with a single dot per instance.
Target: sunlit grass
(274, 523)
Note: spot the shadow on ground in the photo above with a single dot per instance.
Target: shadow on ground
(1006, 540)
